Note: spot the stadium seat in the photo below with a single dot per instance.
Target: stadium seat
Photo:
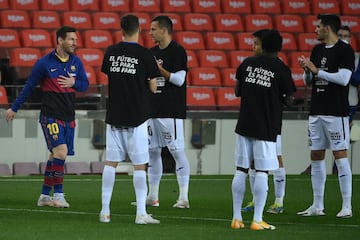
(200, 98)
(225, 99)
(266, 6)
(90, 56)
(220, 41)
(310, 22)
(118, 37)
(176, 20)
(79, 20)
(101, 78)
(289, 43)
(212, 58)
(148, 41)
(190, 40)
(209, 6)
(77, 168)
(88, 5)
(283, 57)
(115, 6)
(237, 57)
(353, 22)
(293, 58)
(39, 38)
(45, 19)
(5, 169)
(197, 22)
(301, 89)
(325, 6)
(90, 73)
(25, 168)
(307, 41)
(236, 6)
(144, 20)
(289, 23)
(106, 20)
(350, 7)
(172, 6)
(145, 6)
(28, 5)
(97, 167)
(205, 76)
(14, 19)
(97, 39)
(3, 96)
(228, 23)
(244, 41)
(301, 7)
(52, 5)
(354, 43)
(4, 4)
(9, 38)
(192, 60)
(254, 22)
(228, 77)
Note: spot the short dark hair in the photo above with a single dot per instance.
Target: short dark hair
(346, 28)
(62, 32)
(130, 24)
(331, 20)
(260, 33)
(272, 41)
(164, 22)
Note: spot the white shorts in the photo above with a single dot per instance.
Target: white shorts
(131, 141)
(262, 152)
(166, 132)
(329, 132)
(278, 145)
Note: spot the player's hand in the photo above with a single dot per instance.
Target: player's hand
(64, 81)
(307, 65)
(9, 115)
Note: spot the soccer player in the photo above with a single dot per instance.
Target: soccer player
(59, 74)
(328, 71)
(132, 72)
(264, 83)
(279, 174)
(168, 111)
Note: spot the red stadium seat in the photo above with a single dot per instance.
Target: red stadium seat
(353, 22)
(237, 57)
(289, 23)
(245, 41)
(283, 57)
(78, 19)
(45, 19)
(350, 7)
(90, 73)
(307, 41)
(198, 98)
(289, 43)
(14, 19)
(3, 96)
(191, 59)
(205, 76)
(293, 58)
(197, 22)
(148, 42)
(106, 20)
(145, 6)
(172, 6)
(190, 40)
(228, 23)
(90, 56)
(4, 4)
(266, 6)
(212, 58)
(35, 38)
(55, 5)
(254, 22)
(220, 40)
(102, 78)
(296, 7)
(24, 57)
(28, 5)
(325, 6)
(228, 77)
(236, 6)
(88, 5)
(97, 38)
(209, 6)
(297, 76)
(9, 38)
(310, 22)
(226, 99)
(115, 5)
(144, 20)
(354, 43)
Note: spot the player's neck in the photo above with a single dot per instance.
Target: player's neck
(165, 42)
(331, 40)
(61, 54)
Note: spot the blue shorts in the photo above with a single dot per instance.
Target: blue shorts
(57, 132)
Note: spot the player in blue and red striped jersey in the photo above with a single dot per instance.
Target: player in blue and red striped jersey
(59, 74)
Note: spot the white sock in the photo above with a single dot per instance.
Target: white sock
(238, 188)
(108, 180)
(260, 193)
(318, 179)
(182, 173)
(279, 185)
(345, 181)
(155, 171)
(251, 181)
(139, 181)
